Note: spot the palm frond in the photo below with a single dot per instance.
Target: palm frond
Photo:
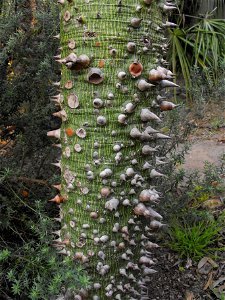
(202, 45)
(178, 52)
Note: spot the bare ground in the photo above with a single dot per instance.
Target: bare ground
(207, 138)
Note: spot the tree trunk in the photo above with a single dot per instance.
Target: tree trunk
(201, 7)
(108, 147)
(209, 5)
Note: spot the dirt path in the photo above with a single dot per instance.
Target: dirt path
(202, 151)
(208, 139)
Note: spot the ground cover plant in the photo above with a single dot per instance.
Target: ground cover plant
(32, 269)
(183, 271)
(197, 240)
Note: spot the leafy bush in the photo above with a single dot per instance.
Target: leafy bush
(188, 190)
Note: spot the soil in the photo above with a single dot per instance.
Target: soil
(202, 151)
(175, 282)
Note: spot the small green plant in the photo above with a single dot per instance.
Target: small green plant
(197, 240)
(204, 90)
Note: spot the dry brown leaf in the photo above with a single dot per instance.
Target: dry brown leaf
(212, 203)
(189, 296)
(222, 140)
(209, 281)
(221, 288)
(212, 262)
(202, 262)
(205, 260)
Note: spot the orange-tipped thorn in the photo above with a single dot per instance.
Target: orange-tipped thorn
(58, 199)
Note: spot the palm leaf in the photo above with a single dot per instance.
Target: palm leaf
(208, 36)
(178, 46)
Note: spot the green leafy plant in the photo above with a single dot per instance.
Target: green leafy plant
(30, 268)
(189, 190)
(197, 240)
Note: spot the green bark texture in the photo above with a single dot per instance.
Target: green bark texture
(99, 226)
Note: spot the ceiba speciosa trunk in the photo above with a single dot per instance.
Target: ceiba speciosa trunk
(106, 205)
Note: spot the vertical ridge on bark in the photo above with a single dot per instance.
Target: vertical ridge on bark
(103, 178)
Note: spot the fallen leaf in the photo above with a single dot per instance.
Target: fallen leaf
(202, 262)
(205, 265)
(212, 262)
(222, 140)
(189, 296)
(188, 264)
(209, 281)
(212, 203)
(205, 269)
(221, 288)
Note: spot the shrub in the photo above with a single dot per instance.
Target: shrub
(35, 270)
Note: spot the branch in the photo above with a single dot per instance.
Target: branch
(30, 180)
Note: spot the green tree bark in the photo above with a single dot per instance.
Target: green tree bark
(108, 147)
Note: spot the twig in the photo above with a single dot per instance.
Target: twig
(30, 180)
